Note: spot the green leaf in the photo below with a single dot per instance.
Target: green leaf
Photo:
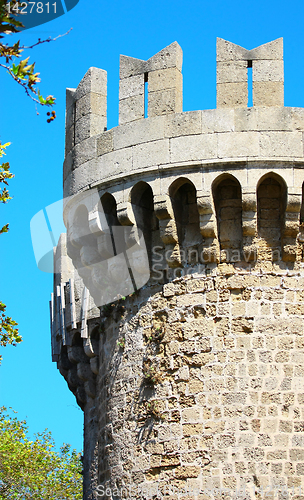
(4, 229)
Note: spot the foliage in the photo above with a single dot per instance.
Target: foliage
(22, 72)
(153, 410)
(8, 332)
(151, 371)
(121, 342)
(5, 175)
(34, 469)
(156, 334)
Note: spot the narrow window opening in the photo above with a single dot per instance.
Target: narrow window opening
(249, 82)
(302, 206)
(227, 197)
(146, 96)
(271, 198)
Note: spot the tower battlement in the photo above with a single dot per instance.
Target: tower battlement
(195, 379)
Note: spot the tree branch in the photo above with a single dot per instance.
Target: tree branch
(44, 41)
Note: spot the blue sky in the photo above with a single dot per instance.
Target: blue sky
(30, 382)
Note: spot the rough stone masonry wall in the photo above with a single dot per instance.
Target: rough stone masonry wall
(201, 387)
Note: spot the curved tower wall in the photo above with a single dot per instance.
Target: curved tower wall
(194, 381)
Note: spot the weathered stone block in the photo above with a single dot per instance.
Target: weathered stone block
(180, 124)
(268, 93)
(187, 471)
(70, 115)
(232, 95)
(193, 147)
(270, 50)
(231, 72)
(164, 102)
(84, 151)
(169, 78)
(91, 103)
(169, 57)
(70, 97)
(69, 139)
(274, 144)
(88, 126)
(132, 86)
(131, 109)
(131, 134)
(217, 120)
(95, 80)
(130, 66)
(270, 118)
(228, 51)
(268, 71)
(297, 117)
(67, 165)
(238, 144)
(104, 143)
(114, 163)
(151, 154)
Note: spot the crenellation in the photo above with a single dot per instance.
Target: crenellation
(162, 72)
(267, 74)
(165, 91)
(86, 107)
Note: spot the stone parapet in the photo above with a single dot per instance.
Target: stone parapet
(158, 143)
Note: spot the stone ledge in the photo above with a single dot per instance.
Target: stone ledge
(194, 148)
(201, 135)
(247, 170)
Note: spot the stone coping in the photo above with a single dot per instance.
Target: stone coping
(185, 139)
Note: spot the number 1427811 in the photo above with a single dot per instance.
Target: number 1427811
(31, 7)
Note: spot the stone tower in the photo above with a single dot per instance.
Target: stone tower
(192, 383)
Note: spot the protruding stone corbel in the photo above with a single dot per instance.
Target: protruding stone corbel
(90, 388)
(207, 227)
(91, 345)
(76, 354)
(164, 213)
(249, 212)
(125, 214)
(291, 228)
(168, 230)
(249, 223)
(73, 379)
(94, 362)
(97, 220)
(162, 207)
(207, 216)
(292, 214)
(84, 371)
